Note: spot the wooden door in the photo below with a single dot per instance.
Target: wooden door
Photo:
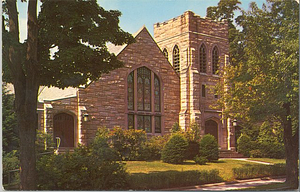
(64, 129)
(211, 127)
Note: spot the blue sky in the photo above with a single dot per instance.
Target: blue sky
(137, 13)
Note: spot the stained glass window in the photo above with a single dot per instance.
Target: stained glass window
(157, 124)
(176, 58)
(144, 123)
(202, 59)
(156, 94)
(130, 121)
(203, 91)
(165, 52)
(130, 88)
(215, 61)
(144, 89)
(143, 85)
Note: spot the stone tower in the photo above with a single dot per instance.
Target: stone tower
(198, 49)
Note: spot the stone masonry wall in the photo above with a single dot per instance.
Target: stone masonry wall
(189, 31)
(105, 99)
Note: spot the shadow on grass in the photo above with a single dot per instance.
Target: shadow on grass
(170, 179)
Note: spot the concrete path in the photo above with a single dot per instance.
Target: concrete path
(240, 184)
(248, 160)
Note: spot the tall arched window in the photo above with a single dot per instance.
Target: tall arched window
(215, 61)
(202, 58)
(144, 101)
(176, 58)
(165, 52)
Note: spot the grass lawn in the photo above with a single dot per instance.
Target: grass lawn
(268, 160)
(224, 166)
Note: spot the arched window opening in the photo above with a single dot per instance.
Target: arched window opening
(144, 101)
(215, 61)
(176, 59)
(165, 52)
(202, 58)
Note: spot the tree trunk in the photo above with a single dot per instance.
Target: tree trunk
(292, 150)
(25, 82)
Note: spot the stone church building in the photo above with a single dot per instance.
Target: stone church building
(165, 79)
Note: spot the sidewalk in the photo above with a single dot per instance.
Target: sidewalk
(239, 184)
(248, 160)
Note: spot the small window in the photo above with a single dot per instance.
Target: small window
(203, 90)
(202, 59)
(216, 96)
(176, 59)
(215, 61)
(165, 52)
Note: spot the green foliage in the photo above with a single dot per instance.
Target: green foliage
(175, 149)
(44, 142)
(254, 171)
(153, 147)
(193, 132)
(87, 168)
(10, 138)
(129, 143)
(245, 145)
(272, 150)
(170, 179)
(200, 160)
(209, 148)
(256, 153)
(175, 128)
(10, 162)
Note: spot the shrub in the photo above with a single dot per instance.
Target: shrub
(175, 149)
(272, 150)
(153, 147)
(200, 160)
(175, 128)
(129, 143)
(10, 162)
(254, 171)
(256, 153)
(169, 179)
(244, 145)
(87, 168)
(209, 148)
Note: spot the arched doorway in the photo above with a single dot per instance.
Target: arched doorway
(63, 125)
(211, 127)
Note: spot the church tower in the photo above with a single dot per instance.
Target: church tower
(198, 49)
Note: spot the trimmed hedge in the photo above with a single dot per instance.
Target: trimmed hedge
(171, 179)
(254, 171)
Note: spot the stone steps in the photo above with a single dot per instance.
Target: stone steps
(229, 154)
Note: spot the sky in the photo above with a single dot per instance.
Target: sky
(139, 13)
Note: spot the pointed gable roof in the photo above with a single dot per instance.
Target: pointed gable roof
(117, 49)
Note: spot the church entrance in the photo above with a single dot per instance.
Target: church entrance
(63, 125)
(211, 127)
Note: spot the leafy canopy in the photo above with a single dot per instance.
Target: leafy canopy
(72, 38)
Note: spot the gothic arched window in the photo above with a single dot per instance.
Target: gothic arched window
(165, 52)
(176, 59)
(215, 61)
(202, 58)
(144, 101)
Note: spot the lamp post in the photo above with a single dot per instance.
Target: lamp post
(85, 117)
(234, 124)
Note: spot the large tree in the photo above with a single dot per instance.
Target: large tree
(265, 82)
(65, 46)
